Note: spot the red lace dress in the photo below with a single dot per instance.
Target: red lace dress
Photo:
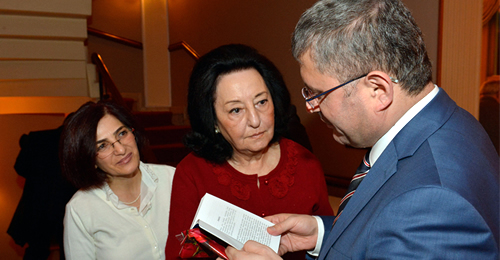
(296, 185)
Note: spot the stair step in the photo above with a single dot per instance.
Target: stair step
(170, 154)
(153, 118)
(166, 134)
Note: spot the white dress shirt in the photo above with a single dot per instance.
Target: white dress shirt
(98, 226)
(379, 148)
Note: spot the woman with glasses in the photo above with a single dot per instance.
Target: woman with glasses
(120, 209)
(237, 105)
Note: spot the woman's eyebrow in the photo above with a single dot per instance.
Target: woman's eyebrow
(261, 93)
(114, 134)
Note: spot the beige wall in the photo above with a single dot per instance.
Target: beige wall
(11, 186)
(156, 56)
(461, 52)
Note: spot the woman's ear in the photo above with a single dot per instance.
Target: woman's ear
(381, 89)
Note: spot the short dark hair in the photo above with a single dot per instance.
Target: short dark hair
(349, 38)
(202, 140)
(78, 142)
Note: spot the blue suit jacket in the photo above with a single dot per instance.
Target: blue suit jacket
(432, 194)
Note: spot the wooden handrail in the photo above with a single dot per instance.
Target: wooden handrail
(183, 45)
(106, 84)
(172, 47)
(114, 38)
(107, 87)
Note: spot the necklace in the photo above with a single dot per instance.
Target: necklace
(132, 202)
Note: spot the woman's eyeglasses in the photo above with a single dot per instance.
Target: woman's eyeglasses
(123, 136)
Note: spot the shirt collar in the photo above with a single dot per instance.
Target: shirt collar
(383, 142)
(149, 183)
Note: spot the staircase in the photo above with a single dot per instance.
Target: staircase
(165, 138)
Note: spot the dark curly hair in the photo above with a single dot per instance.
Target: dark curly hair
(223, 60)
(78, 142)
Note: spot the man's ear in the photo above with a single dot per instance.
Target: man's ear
(381, 89)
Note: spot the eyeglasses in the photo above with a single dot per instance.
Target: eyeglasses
(314, 101)
(123, 136)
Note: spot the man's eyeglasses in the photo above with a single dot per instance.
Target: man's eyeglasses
(124, 135)
(314, 101)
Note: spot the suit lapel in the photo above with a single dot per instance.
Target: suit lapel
(418, 130)
(373, 181)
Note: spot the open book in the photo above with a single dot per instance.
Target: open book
(233, 224)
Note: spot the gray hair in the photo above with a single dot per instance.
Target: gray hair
(349, 38)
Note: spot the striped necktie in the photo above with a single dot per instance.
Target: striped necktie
(361, 172)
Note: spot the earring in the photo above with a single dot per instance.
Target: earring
(217, 130)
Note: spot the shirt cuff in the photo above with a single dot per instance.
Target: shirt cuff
(321, 234)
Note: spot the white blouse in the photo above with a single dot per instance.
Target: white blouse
(98, 226)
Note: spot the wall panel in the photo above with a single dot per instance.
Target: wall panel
(39, 49)
(63, 7)
(43, 26)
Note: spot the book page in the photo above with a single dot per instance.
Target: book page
(231, 223)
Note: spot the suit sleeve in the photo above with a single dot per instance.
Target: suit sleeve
(327, 223)
(430, 223)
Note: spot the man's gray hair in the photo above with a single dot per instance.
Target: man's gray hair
(349, 38)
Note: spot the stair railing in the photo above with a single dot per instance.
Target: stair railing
(107, 87)
(183, 45)
(115, 38)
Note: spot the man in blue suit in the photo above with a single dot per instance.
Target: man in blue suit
(430, 188)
